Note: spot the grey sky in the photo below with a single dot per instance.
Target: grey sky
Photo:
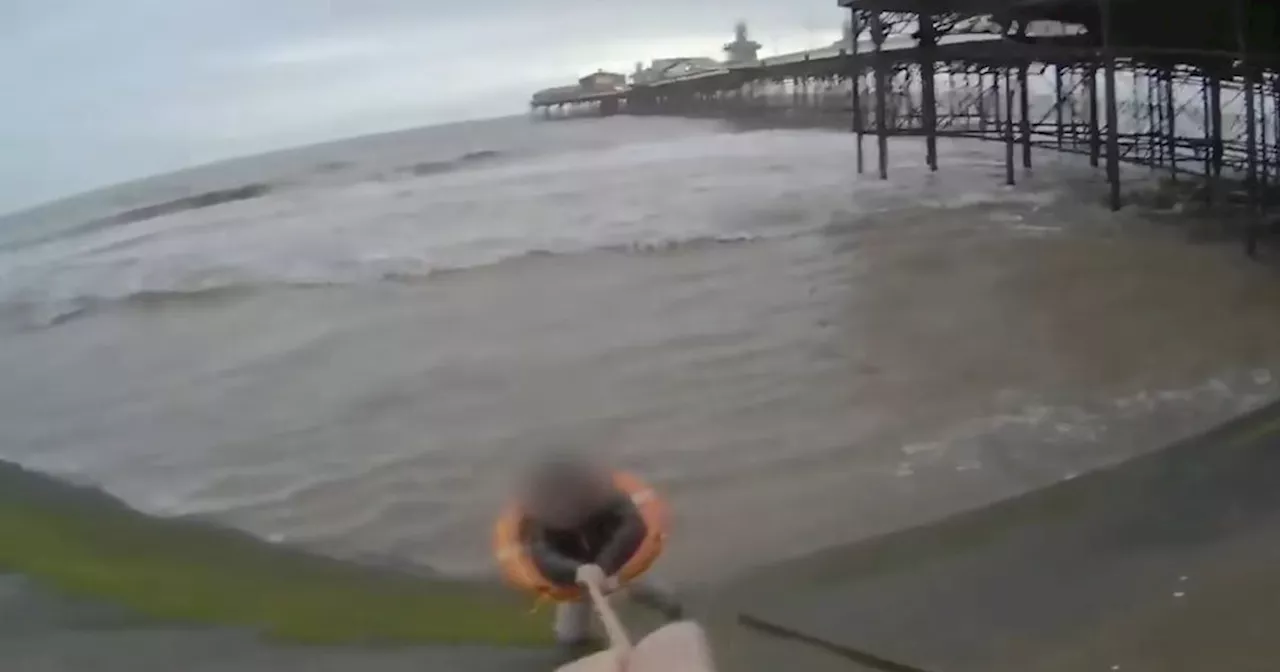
(99, 92)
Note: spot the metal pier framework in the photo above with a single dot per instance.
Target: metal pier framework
(1198, 102)
(1191, 89)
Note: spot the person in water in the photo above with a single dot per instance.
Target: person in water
(580, 528)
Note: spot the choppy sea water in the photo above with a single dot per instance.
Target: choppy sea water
(798, 356)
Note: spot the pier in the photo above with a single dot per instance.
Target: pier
(1193, 93)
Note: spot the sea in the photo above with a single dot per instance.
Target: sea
(356, 351)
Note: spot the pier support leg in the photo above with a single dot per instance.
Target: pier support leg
(997, 104)
(1251, 134)
(855, 78)
(982, 103)
(1095, 134)
(1250, 104)
(882, 131)
(1254, 230)
(1215, 126)
(1264, 152)
(859, 118)
(951, 93)
(1024, 112)
(1137, 116)
(1275, 117)
(929, 117)
(1208, 139)
(1170, 113)
(1058, 102)
(1113, 135)
(1155, 128)
(1113, 121)
(1008, 128)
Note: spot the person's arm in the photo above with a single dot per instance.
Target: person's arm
(625, 540)
(557, 567)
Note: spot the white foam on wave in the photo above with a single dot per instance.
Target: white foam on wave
(1030, 445)
(1086, 436)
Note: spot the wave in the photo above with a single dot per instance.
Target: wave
(249, 191)
(55, 311)
(199, 286)
(205, 199)
(424, 168)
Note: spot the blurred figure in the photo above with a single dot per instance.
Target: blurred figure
(579, 525)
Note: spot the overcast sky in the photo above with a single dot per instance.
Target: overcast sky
(100, 91)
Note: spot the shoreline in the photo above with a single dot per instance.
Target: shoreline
(742, 614)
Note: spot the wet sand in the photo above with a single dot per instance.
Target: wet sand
(1167, 562)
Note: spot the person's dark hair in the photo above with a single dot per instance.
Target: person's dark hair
(562, 469)
(562, 486)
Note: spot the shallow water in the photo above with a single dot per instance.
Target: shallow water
(797, 356)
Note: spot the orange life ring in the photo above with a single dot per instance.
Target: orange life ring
(518, 569)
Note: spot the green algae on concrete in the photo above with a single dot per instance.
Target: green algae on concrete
(85, 543)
